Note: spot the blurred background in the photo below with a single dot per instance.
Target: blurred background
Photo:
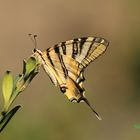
(112, 81)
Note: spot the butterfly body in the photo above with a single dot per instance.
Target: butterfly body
(66, 61)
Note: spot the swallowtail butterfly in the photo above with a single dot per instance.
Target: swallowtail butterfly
(65, 64)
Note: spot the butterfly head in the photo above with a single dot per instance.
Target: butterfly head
(38, 55)
(34, 50)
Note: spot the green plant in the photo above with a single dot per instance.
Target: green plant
(12, 87)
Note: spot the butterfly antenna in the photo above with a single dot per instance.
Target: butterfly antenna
(96, 114)
(35, 42)
(33, 39)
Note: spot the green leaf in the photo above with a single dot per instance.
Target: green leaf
(29, 66)
(7, 117)
(7, 86)
(17, 88)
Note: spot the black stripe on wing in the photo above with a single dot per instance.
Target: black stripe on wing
(63, 45)
(82, 41)
(63, 66)
(74, 48)
(61, 61)
(49, 57)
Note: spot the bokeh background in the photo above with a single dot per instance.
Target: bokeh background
(113, 80)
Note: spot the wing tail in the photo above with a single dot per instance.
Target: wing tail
(96, 114)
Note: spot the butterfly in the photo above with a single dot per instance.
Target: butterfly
(65, 64)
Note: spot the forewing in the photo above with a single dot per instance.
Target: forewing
(83, 50)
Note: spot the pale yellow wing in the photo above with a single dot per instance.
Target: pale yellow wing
(66, 61)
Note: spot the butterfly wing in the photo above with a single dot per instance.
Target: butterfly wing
(70, 58)
(67, 61)
(83, 50)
